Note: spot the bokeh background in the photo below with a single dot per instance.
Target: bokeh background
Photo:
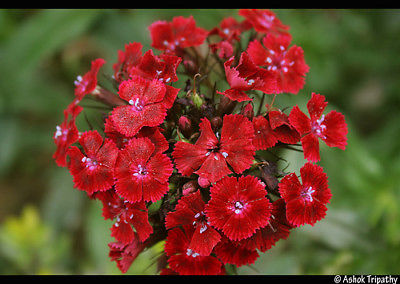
(48, 227)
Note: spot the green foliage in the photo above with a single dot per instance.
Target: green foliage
(354, 62)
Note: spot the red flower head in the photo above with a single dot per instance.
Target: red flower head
(125, 215)
(305, 203)
(234, 253)
(185, 261)
(246, 76)
(238, 207)
(211, 154)
(286, 64)
(66, 134)
(264, 21)
(125, 254)
(278, 228)
(330, 128)
(148, 102)
(230, 29)
(127, 60)
(87, 83)
(93, 169)
(153, 133)
(141, 173)
(180, 33)
(273, 128)
(190, 211)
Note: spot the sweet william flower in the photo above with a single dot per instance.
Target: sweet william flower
(272, 128)
(306, 201)
(210, 155)
(93, 169)
(147, 105)
(180, 33)
(264, 21)
(142, 174)
(190, 211)
(66, 134)
(278, 228)
(330, 128)
(185, 261)
(246, 76)
(125, 216)
(235, 253)
(87, 83)
(153, 133)
(125, 254)
(287, 65)
(238, 206)
(127, 60)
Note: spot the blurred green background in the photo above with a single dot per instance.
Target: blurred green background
(47, 227)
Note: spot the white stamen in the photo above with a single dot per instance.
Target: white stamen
(225, 154)
(250, 82)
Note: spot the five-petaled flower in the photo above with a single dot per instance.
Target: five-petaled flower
(140, 172)
(210, 156)
(330, 128)
(93, 169)
(306, 201)
(238, 206)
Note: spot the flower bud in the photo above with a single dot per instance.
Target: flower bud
(189, 187)
(185, 126)
(226, 105)
(216, 123)
(197, 100)
(203, 182)
(248, 111)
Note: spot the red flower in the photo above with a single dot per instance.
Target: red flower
(87, 83)
(306, 202)
(238, 207)
(273, 128)
(125, 254)
(185, 261)
(330, 128)
(246, 76)
(180, 33)
(127, 60)
(66, 134)
(278, 228)
(153, 133)
(190, 211)
(230, 29)
(234, 253)
(211, 154)
(141, 173)
(126, 215)
(264, 21)
(286, 64)
(148, 101)
(93, 169)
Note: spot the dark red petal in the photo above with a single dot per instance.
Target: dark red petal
(310, 145)
(299, 120)
(213, 168)
(188, 157)
(316, 105)
(290, 187)
(264, 135)
(336, 130)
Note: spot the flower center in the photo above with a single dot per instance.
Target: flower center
(238, 207)
(136, 104)
(91, 164)
(140, 171)
(306, 194)
(318, 128)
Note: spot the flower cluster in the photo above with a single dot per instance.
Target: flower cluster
(193, 161)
